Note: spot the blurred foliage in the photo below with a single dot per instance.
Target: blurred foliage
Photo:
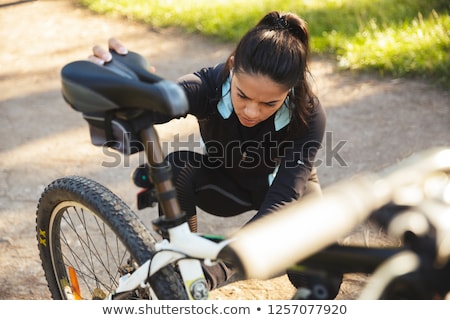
(399, 38)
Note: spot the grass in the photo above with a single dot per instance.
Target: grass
(400, 38)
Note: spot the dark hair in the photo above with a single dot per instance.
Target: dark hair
(278, 47)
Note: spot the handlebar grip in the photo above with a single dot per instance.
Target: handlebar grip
(303, 228)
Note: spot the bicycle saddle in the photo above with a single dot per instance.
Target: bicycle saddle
(123, 83)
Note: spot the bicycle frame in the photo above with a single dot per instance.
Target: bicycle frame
(184, 247)
(348, 200)
(344, 206)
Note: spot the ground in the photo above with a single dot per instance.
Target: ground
(372, 123)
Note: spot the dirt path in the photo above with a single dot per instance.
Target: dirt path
(372, 123)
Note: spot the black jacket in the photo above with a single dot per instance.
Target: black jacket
(250, 155)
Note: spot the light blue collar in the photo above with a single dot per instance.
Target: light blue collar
(225, 107)
(283, 116)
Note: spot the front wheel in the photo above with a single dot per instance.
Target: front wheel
(88, 238)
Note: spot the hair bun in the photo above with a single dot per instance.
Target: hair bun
(282, 23)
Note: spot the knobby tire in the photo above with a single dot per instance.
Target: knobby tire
(85, 229)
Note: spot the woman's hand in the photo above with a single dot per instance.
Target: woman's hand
(100, 55)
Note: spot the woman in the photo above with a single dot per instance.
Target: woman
(261, 124)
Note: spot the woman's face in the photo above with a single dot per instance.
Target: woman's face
(255, 97)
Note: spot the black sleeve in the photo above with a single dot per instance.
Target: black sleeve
(296, 165)
(202, 90)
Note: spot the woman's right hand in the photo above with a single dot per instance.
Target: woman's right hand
(101, 55)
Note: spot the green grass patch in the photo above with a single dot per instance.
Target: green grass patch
(402, 38)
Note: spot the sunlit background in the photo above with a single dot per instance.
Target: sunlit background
(400, 37)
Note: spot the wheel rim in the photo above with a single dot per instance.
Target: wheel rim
(82, 243)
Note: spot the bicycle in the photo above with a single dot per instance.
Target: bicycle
(93, 246)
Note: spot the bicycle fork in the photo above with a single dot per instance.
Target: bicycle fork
(185, 248)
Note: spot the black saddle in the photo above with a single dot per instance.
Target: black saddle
(124, 82)
(119, 98)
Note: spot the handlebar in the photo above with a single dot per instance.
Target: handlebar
(303, 228)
